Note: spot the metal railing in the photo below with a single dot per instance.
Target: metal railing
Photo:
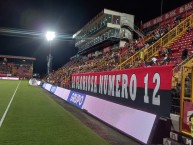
(166, 39)
(186, 96)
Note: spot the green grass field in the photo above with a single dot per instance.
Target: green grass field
(35, 119)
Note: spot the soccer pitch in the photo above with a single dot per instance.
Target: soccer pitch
(33, 118)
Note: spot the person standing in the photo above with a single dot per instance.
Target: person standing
(184, 54)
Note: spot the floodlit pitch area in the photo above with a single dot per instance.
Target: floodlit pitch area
(33, 118)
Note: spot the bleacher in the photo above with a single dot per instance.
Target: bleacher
(175, 36)
(108, 62)
(177, 48)
(16, 66)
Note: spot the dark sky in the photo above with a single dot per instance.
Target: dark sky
(65, 17)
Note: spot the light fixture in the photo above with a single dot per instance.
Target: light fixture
(50, 35)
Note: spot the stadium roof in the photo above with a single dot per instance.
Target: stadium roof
(17, 57)
(104, 11)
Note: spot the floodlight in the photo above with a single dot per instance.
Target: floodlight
(50, 35)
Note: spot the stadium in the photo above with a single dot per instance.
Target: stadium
(124, 86)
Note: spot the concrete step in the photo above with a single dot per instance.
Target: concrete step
(169, 141)
(180, 138)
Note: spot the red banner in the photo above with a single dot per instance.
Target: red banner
(188, 117)
(142, 88)
(3, 75)
(184, 9)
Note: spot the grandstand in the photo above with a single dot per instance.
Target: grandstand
(140, 88)
(106, 44)
(103, 31)
(16, 66)
(98, 44)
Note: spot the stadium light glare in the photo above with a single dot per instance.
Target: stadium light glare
(50, 35)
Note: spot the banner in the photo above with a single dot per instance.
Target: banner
(53, 89)
(136, 123)
(184, 9)
(44, 85)
(76, 99)
(48, 86)
(146, 89)
(3, 75)
(9, 78)
(62, 93)
(187, 124)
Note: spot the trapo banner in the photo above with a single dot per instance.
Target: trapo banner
(184, 9)
(146, 89)
(187, 124)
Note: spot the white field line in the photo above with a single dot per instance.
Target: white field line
(5, 113)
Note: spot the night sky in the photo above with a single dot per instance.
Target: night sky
(65, 17)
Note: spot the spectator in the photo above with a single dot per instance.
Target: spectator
(169, 50)
(142, 55)
(152, 62)
(184, 54)
(188, 29)
(160, 50)
(166, 59)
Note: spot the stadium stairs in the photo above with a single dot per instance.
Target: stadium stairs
(177, 138)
